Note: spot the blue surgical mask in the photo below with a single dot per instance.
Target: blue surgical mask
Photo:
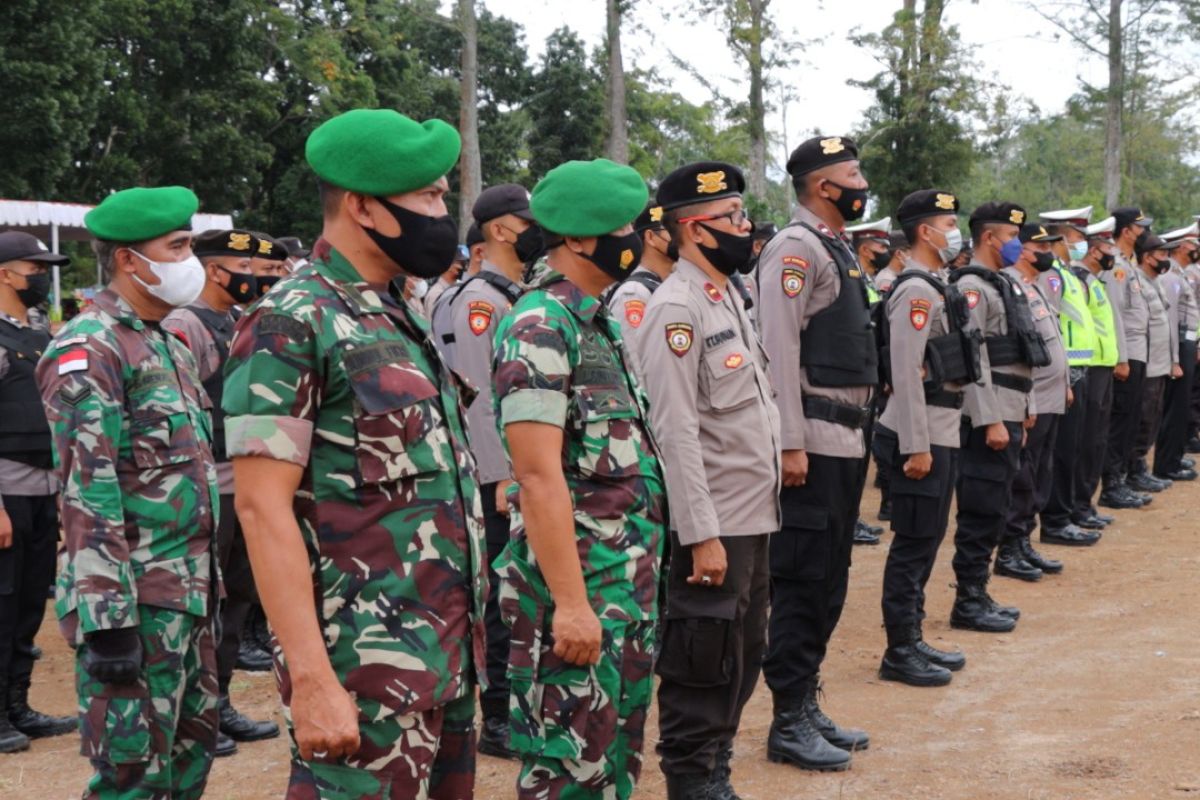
(1011, 251)
(1077, 250)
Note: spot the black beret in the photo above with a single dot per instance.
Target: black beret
(242, 244)
(763, 231)
(821, 151)
(925, 203)
(505, 198)
(474, 235)
(1037, 234)
(295, 247)
(651, 217)
(1149, 242)
(268, 249)
(699, 183)
(897, 240)
(1004, 213)
(1131, 215)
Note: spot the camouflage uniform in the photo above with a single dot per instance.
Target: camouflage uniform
(559, 360)
(132, 447)
(340, 377)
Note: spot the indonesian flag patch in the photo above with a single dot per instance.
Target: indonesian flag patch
(479, 316)
(679, 338)
(918, 313)
(73, 361)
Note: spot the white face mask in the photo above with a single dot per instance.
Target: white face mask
(179, 282)
(954, 243)
(419, 289)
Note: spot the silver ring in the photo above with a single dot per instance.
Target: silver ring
(706, 580)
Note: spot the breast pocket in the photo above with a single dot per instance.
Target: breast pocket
(731, 383)
(160, 430)
(399, 427)
(603, 416)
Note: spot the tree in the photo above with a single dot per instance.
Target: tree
(566, 108)
(616, 145)
(470, 182)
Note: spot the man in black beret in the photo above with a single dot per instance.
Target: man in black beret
(629, 298)
(816, 327)
(268, 262)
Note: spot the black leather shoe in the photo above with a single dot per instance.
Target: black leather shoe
(849, 739)
(1187, 463)
(1193, 445)
(35, 653)
(1114, 497)
(1089, 523)
(974, 610)
(947, 659)
(493, 738)
(1145, 482)
(1011, 564)
(863, 533)
(1107, 519)
(1181, 474)
(241, 728)
(795, 740)
(252, 657)
(719, 785)
(905, 664)
(885, 511)
(35, 724)
(12, 740)
(225, 746)
(1071, 536)
(1046, 565)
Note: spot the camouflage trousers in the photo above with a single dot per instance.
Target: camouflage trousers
(427, 755)
(579, 729)
(154, 739)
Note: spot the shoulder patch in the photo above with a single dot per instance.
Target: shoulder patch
(74, 360)
(1055, 283)
(714, 294)
(635, 311)
(795, 261)
(479, 316)
(918, 312)
(792, 280)
(972, 296)
(74, 397)
(281, 325)
(1119, 274)
(679, 338)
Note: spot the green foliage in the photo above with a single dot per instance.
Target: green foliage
(566, 108)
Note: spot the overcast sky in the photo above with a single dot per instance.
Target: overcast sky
(1014, 44)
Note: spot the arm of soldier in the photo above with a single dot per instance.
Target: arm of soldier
(979, 399)
(85, 408)
(672, 362)
(271, 395)
(188, 327)
(531, 377)
(909, 318)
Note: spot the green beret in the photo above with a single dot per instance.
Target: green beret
(139, 214)
(588, 198)
(381, 152)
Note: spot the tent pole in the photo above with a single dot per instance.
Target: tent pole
(56, 314)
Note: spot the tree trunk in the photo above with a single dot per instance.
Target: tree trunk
(617, 146)
(757, 179)
(469, 178)
(1112, 118)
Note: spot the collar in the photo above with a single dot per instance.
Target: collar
(340, 274)
(11, 320)
(115, 306)
(805, 214)
(581, 304)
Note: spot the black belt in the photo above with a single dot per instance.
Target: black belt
(1014, 382)
(856, 417)
(944, 399)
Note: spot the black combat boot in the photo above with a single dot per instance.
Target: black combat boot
(1012, 564)
(847, 739)
(719, 785)
(11, 739)
(493, 738)
(689, 787)
(1071, 536)
(866, 534)
(241, 728)
(951, 660)
(902, 662)
(1012, 612)
(795, 740)
(252, 657)
(1047, 565)
(225, 746)
(35, 724)
(974, 610)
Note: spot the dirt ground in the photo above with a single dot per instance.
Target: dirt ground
(1095, 695)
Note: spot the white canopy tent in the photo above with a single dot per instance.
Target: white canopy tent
(56, 222)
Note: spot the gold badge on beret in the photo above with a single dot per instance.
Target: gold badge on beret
(832, 146)
(264, 247)
(945, 201)
(239, 241)
(656, 214)
(1017, 217)
(711, 182)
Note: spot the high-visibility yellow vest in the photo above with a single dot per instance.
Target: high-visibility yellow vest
(1104, 325)
(1075, 320)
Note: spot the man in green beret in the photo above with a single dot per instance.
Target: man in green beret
(132, 445)
(351, 466)
(579, 577)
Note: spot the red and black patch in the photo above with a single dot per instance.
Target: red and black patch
(679, 338)
(479, 316)
(713, 293)
(918, 313)
(635, 311)
(972, 296)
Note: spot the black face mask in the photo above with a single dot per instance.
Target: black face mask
(241, 288)
(1160, 265)
(425, 247)
(732, 254)
(881, 260)
(617, 256)
(851, 203)
(530, 244)
(1043, 261)
(265, 282)
(37, 289)
(1107, 261)
(1194, 256)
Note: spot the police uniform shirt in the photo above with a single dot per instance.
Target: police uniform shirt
(17, 478)
(797, 279)
(429, 301)
(1192, 273)
(1051, 381)
(469, 319)
(1126, 291)
(628, 306)
(1050, 284)
(1182, 309)
(1163, 337)
(884, 279)
(712, 409)
(916, 312)
(985, 403)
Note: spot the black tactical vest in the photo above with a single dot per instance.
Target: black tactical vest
(1022, 344)
(951, 357)
(24, 431)
(220, 327)
(838, 346)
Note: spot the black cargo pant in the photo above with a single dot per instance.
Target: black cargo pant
(1093, 440)
(494, 700)
(711, 653)
(26, 572)
(1031, 484)
(240, 593)
(1123, 423)
(810, 570)
(920, 515)
(1068, 464)
(1153, 392)
(985, 478)
(1173, 434)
